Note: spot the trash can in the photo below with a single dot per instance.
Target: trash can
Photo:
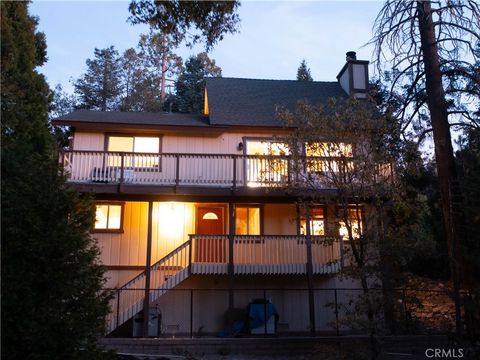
(153, 323)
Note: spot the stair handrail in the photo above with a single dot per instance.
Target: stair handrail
(152, 267)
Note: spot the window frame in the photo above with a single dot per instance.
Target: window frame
(122, 212)
(247, 206)
(302, 218)
(133, 135)
(361, 210)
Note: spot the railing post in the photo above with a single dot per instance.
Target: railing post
(177, 169)
(289, 171)
(118, 308)
(190, 254)
(234, 182)
(122, 163)
(336, 313)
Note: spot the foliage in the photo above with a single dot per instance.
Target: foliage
(53, 306)
(353, 149)
(178, 19)
(303, 72)
(399, 50)
(468, 162)
(100, 87)
(429, 45)
(191, 82)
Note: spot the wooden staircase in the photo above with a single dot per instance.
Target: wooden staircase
(165, 274)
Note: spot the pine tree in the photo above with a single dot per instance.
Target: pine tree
(303, 72)
(100, 87)
(191, 82)
(53, 306)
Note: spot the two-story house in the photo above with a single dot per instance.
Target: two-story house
(193, 202)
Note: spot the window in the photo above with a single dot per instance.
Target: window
(266, 165)
(354, 216)
(247, 220)
(317, 222)
(108, 217)
(142, 145)
(336, 151)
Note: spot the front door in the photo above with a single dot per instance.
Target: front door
(210, 221)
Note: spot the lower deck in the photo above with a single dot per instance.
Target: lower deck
(256, 238)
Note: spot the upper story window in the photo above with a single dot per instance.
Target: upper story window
(339, 154)
(141, 145)
(266, 165)
(266, 147)
(108, 217)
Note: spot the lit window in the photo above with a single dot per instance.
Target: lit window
(335, 151)
(141, 145)
(210, 216)
(317, 223)
(355, 222)
(108, 217)
(247, 221)
(267, 166)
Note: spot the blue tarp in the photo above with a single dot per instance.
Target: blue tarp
(256, 313)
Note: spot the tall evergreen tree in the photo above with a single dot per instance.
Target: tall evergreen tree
(100, 87)
(303, 72)
(53, 306)
(191, 82)
(180, 19)
(431, 45)
(156, 51)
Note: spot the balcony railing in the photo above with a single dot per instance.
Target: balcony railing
(219, 170)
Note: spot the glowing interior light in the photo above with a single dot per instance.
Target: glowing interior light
(210, 216)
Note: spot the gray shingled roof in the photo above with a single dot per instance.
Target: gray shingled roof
(231, 101)
(132, 118)
(253, 102)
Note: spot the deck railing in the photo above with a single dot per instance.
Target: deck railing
(219, 170)
(264, 254)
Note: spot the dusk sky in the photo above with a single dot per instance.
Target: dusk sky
(274, 37)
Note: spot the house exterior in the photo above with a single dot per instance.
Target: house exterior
(195, 214)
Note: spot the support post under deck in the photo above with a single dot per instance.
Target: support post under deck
(231, 237)
(311, 296)
(146, 300)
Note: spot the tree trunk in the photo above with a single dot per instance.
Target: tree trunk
(164, 74)
(449, 190)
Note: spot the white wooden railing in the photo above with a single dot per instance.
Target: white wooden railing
(264, 254)
(219, 170)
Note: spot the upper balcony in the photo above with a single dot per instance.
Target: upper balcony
(202, 171)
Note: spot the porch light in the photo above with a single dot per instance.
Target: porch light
(210, 216)
(240, 146)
